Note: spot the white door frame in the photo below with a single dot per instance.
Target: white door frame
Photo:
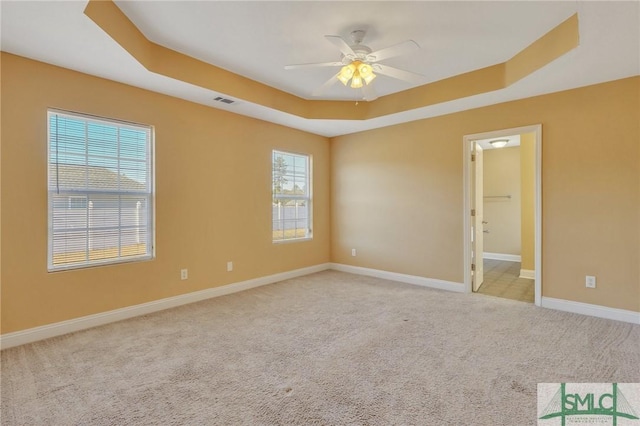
(477, 221)
(466, 151)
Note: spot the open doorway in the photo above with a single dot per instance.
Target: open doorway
(502, 219)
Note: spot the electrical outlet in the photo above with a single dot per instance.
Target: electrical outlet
(184, 274)
(229, 266)
(353, 252)
(590, 281)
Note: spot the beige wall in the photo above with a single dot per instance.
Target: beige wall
(396, 195)
(397, 199)
(501, 176)
(397, 192)
(527, 204)
(511, 221)
(213, 197)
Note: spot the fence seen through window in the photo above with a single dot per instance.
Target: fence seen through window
(291, 206)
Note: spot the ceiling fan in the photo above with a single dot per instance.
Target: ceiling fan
(360, 64)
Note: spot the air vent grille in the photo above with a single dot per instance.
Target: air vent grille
(224, 100)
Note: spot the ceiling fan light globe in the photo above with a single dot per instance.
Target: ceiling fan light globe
(344, 80)
(347, 71)
(356, 81)
(369, 78)
(364, 69)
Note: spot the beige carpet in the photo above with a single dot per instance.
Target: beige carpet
(326, 349)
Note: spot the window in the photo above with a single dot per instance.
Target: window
(100, 191)
(291, 196)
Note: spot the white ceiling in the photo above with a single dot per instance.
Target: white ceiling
(257, 39)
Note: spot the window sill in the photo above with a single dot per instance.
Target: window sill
(98, 264)
(292, 240)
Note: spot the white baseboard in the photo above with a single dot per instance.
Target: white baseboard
(502, 256)
(404, 278)
(22, 337)
(528, 274)
(591, 310)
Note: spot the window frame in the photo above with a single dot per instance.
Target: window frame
(308, 197)
(149, 194)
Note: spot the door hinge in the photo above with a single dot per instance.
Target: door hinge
(473, 212)
(473, 157)
(473, 266)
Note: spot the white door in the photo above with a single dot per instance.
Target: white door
(477, 219)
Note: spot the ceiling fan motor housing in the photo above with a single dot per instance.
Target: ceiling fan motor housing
(360, 50)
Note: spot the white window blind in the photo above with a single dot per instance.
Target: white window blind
(291, 207)
(100, 191)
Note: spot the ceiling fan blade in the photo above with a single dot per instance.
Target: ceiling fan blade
(320, 90)
(399, 49)
(398, 73)
(342, 45)
(316, 65)
(369, 93)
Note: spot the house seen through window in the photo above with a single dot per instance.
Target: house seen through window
(100, 191)
(291, 206)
